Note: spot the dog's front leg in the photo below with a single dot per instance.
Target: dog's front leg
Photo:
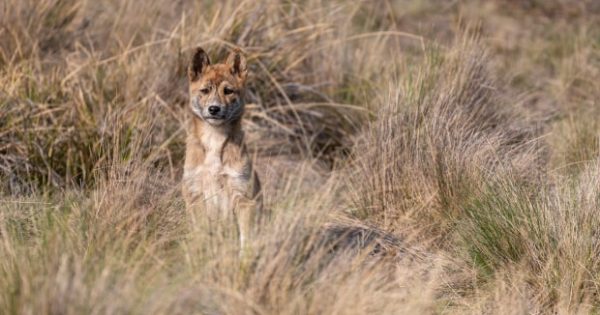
(245, 215)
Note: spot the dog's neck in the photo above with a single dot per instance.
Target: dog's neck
(213, 138)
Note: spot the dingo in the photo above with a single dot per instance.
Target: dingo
(218, 171)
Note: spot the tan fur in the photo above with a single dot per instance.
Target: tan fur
(218, 172)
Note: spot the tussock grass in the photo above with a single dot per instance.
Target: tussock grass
(549, 233)
(417, 156)
(108, 248)
(438, 135)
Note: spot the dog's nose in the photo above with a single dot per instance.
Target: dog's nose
(213, 110)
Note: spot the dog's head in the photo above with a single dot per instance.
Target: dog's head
(216, 91)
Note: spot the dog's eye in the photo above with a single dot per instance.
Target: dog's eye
(227, 91)
(205, 90)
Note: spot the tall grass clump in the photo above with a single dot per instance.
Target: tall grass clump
(544, 237)
(439, 132)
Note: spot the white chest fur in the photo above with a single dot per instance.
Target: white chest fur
(213, 143)
(210, 179)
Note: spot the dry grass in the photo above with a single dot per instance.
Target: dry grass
(437, 137)
(418, 157)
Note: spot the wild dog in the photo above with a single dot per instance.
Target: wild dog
(218, 172)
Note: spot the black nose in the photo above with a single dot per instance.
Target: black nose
(213, 110)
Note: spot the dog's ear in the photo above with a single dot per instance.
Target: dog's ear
(237, 64)
(198, 64)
